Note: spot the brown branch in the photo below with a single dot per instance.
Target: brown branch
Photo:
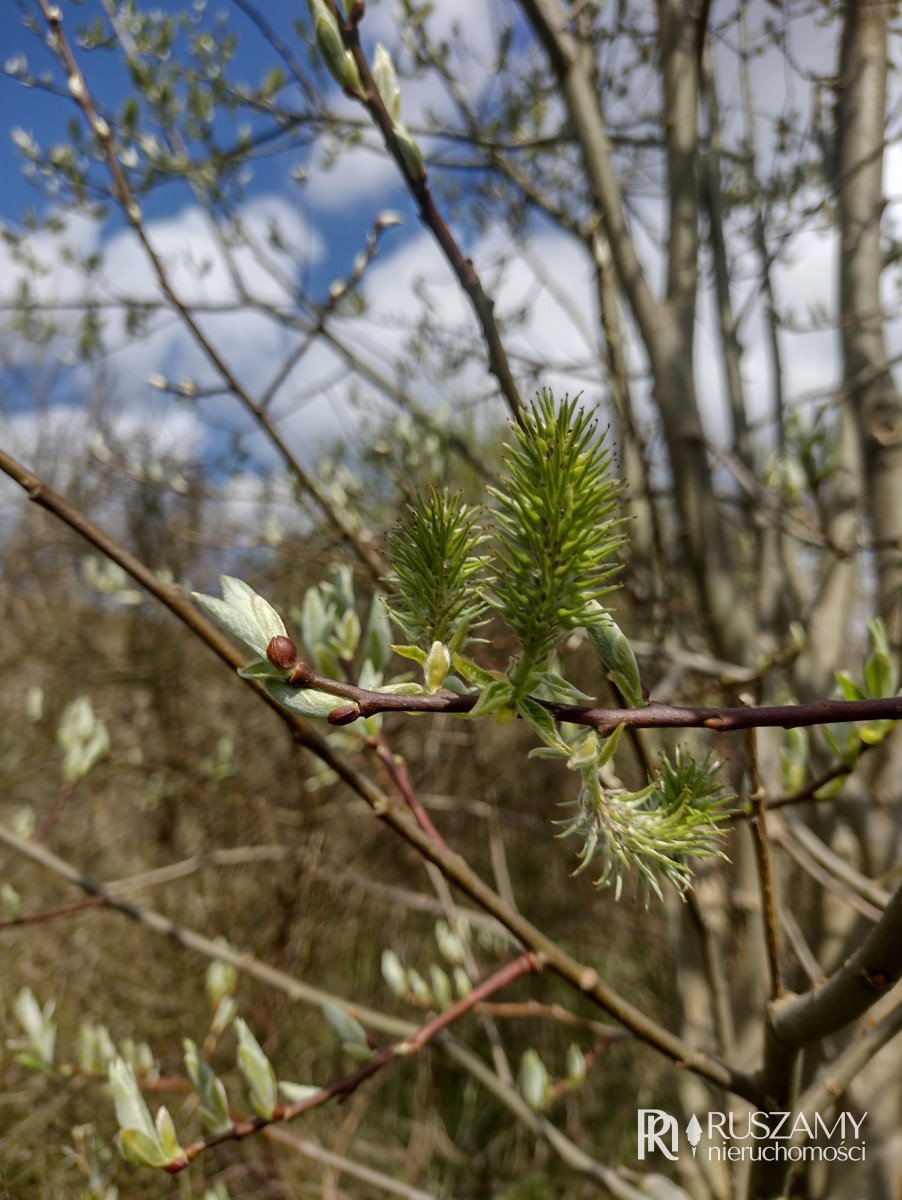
(343, 1088)
(765, 869)
(455, 869)
(348, 1166)
(829, 880)
(51, 914)
(365, 703)
(122, 191)
(298, 991)
(837, 1076)
(867, 975)
(396, 768)
(418, 186)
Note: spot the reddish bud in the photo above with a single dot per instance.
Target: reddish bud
(282, 652)
(345, 714)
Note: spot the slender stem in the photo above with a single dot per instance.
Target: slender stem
(52, 914)
(862, 979)
(397, 770)
(765, 869)
(839, 1074)
(418, 186)
(340, 1090)
(829, 881)
(44, 830)
(309, 1148)
(455, 869)
(122, 191)
(296, 990)
(400, 777)
(872, 892)
(605, 720)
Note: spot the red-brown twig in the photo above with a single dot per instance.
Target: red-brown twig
(52, 914)
(397, 771)
(525, 964)
(605, 720)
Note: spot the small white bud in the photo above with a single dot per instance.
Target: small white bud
(77, 87)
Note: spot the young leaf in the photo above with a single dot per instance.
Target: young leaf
(338, 61)
(377, 636)
(38, 1024)
(349, 1030)
(242, 613)
(211, 1093)
(133, 1116)
(387, 81)
(543, 724)
(297, 1093)
(257, 1071)
(534, 1080)
(497, 696)
(880, 675)
(615, 652)
(441, 986)
(393, 972)
(436, 666)
(576, 1065)
(306, 701)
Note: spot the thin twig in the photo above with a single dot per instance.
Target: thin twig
(367, 1175)
(51, 914)
(122, 191)
(396, 768)
(365, 703)
(826, 878)
(400, 777)
(455, 869)
(295, 989)
(765, 869)
(418, 186)
(343, 1088)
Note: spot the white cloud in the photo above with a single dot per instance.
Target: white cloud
(359, 176)
(63, 444)
(202, 271)
(200, 264)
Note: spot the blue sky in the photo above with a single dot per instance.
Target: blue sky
(329, 218)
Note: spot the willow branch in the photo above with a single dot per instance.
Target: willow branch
(295, 989)
(765, 869)
(367, 1175)
(419, 189)
(123, 193)
(825, 1091)
(455, 869)
(366, 703)
(343, 1088)
(866, 976)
